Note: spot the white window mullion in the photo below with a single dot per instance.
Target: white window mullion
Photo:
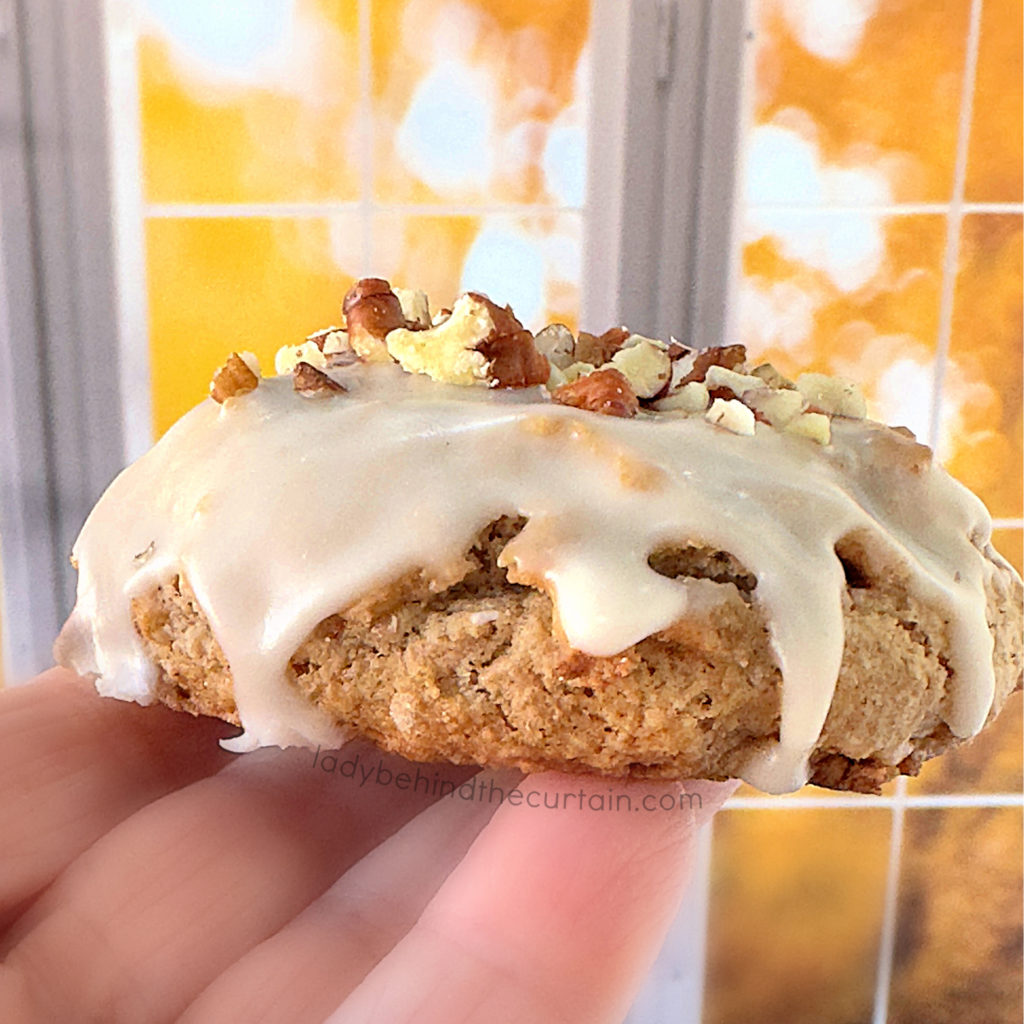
(30, 591)
(61, 413)
(664, 119)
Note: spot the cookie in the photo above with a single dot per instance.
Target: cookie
(610, 554)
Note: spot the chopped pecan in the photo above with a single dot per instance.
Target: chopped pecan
(365, 288)
(598, 349)
(289, 356)
(313, 383)
(515, 361)
(723, 393)
(371, 310)
(605, 391)
(479, 343)
(510, 351)
(832, 395)
(415, 308)
(729, 356)
(320, 339)
(645, 364)
(772, 377)
(557, 343)
(234, 378)
(815, 425)
(732, 414)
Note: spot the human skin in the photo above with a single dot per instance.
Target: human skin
(148, 875)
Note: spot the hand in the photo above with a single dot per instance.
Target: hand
(147, 875)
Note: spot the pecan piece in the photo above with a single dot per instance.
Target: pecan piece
(598, 349)
(729, 356)
(330, 340)
(724, 393)
(604, 391)
(515, 361)
(234, 378)
(371, 310)
(479, 343)
(557, 343)
(510, 351)
(313, 383)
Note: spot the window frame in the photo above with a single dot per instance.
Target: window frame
(59, 352)
(668, 172)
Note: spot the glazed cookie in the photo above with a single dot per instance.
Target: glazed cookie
(610, 554)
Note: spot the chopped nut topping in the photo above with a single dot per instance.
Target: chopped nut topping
(556, 378)
(729, 356)
(605, 391)
(371, 311)
(329, 339)
(599, 349)
(776, 407)
(557, 343)
(731, 414)
(250, 360)
(832, 395)
(690, 398)
(336, 343)
(415, 307)
(515, 361)
(814, 425)
(289, 356)
(314, 383)
(233, 379)
(645, 364)
(681, 367)
(730, 380)
(480, 343)
(771, 376)
(577, 370)
(448, 351)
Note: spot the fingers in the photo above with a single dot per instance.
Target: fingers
(553, 915)
(304, 971)
(75, 764)
(152, 912)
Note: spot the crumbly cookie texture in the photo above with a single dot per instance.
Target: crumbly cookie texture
(618, 373)
(476, 674)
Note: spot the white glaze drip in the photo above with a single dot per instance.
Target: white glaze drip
(282, 510)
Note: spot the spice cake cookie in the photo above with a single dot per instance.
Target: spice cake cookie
(614, 554)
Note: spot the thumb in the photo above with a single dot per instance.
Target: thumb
(557, 911)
